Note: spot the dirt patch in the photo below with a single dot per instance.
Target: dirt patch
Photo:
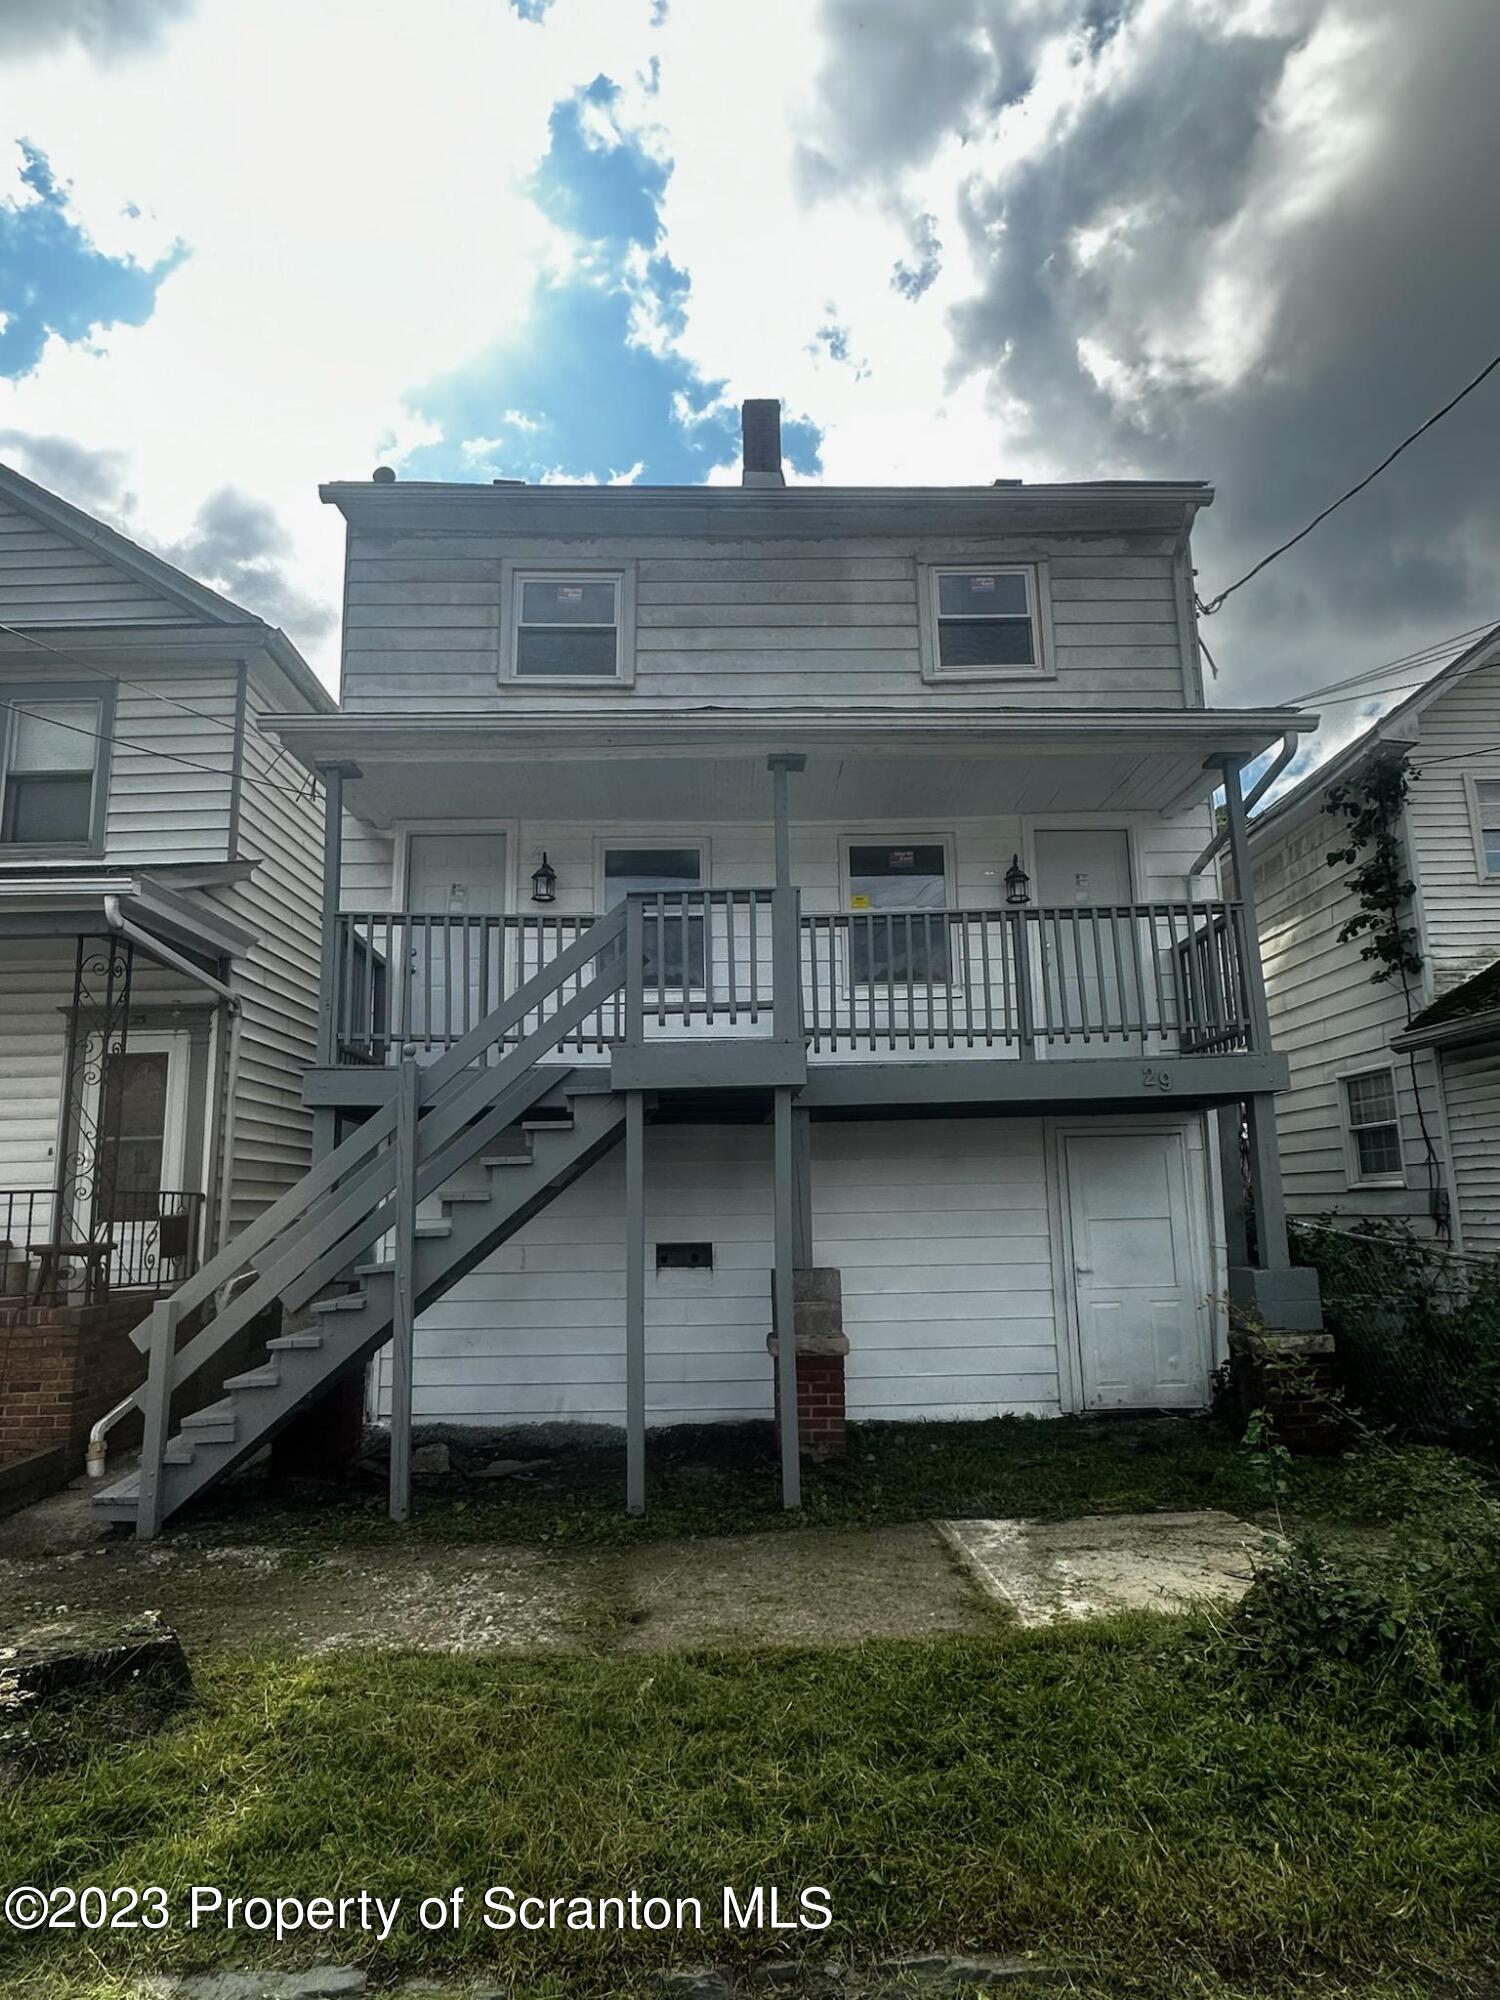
(833, 1587)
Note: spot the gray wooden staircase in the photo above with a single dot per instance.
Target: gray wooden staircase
(487, 1136)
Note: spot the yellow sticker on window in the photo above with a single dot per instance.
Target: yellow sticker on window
(859, 902)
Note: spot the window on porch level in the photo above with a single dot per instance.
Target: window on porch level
(673, 934)
(901, 887)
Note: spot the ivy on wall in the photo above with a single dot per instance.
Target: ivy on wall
(1371, 803)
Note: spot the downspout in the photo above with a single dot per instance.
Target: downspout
(1253, 798)
(114, 916)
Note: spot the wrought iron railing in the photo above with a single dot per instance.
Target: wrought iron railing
(141, 1241)
(1141, 978)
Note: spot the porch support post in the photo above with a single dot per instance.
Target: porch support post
(784, 1294)
(404, 1293)
(635, 1302)
(802, 1229)
(333, 776)
(783, 762)
(1244, 889)
(1232, 1184)
(1265, 1183)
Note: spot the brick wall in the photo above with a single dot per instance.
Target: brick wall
(61, 1368)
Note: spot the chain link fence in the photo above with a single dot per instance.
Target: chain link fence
(1416, 1328)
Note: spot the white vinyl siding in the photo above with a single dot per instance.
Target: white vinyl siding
(46, 578)
(753, 622)
(1471, 1092)
(1459, 742)
(941, 1230)
(1331, 1020)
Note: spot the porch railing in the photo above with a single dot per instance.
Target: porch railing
(1141, 978)
(147, 1241)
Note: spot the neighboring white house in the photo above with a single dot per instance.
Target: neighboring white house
(159, 909)
(1394, 1106)
(760, 904)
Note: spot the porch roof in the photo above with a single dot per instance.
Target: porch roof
(70, 902)
(666, 762)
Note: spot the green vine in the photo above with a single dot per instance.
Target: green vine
(1371, 803)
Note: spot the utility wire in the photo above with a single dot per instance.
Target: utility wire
(106, 674)
(145, 750)
(1415, 659)
(1215, 603)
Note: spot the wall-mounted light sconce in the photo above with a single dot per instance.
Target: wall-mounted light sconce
(1017, 882)
(544, 882)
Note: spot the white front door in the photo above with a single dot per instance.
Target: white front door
(1139, 1300)
(454, 965)
(1077, 973)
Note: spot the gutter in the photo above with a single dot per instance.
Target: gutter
(1253, 797)
(1458, 1033)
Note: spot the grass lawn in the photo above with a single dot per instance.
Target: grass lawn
(724, 1479)
(1091, 1793)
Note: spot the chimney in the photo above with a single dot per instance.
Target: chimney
(760, 432)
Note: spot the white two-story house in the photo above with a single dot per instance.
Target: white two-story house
(770, 906)
(1394, 1106)
(160, 873)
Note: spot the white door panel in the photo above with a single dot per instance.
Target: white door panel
(454, 876)
(1079, 970)
(1139, 1302)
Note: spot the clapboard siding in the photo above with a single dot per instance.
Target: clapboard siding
(769, 620)
(1471, 1093)
(1330, 1019)
(48, 579)
(940, 1229)
(1459, 737)
(740, 856)
(33, 995)
(280, 829)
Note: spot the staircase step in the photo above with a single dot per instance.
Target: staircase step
(463, 1194)
(255, 1378)
(214, 1416)
(179, 1451)
(294, 1341)
(538, 1122)
(347, 1302)
(507, 1160)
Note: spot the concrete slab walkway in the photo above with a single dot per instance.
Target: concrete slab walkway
(1048, 1571)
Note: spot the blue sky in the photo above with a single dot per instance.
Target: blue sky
(247, 249)
(52, 278)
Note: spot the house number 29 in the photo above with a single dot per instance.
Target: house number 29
(1155, 1079)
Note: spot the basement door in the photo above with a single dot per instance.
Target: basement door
(1137, 1297)
(456, 961)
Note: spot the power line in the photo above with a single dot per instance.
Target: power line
(145, 750)
(141, 687)
(1214, 604)
(1420, 657)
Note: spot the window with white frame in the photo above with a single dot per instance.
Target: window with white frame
(50, 769)
(672, 916)
(1373, 1124)
(1486, 807)
(983, 621)
(566, 628)
(901, 888)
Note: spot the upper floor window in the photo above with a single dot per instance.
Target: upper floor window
(1485, 805)
(1372, 1123)
(568, 627)
(50, 793)
(984, 622)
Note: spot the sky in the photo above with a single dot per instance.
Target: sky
(245, 249)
